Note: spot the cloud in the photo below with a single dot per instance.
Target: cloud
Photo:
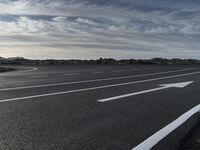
(129, 17)
(94, 28)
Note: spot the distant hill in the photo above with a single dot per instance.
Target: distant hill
(101, 61)
(1, 58)
(14, 58)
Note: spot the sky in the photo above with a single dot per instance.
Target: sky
(90, 29)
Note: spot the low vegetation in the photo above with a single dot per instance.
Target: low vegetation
(101, 61)
(6, 69)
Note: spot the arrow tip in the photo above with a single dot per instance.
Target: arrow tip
(177, 85)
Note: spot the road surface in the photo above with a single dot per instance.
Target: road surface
(98, 107)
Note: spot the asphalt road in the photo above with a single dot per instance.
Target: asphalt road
(59, 108)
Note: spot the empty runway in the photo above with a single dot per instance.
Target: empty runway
(98, 107)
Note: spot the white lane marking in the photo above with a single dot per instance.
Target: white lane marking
(164, 86)
(98, 72)
(31, 69)
(72, 74)
(98, 87)
(88, 81)
(38, 76)
(118, 71)
(161, 134)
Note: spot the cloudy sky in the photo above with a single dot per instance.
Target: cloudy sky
(89, 29)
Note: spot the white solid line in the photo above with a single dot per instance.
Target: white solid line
(88, 81)
(98, 87)
(72, 74)
(161, 134)
(131, 94)
(56, 93)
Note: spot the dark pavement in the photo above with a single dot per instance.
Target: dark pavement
(77, 121)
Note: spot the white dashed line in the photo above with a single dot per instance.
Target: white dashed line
(98, 87)
(72, 74)
(38, 76)
(89, 81)
(161, 134)
(31, 69)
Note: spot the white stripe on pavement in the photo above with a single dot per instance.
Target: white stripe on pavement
(95, 80)
(130, 94)
(31, 69)
(163, 86)
(98, 87)
(72, 74)
(161, 134)
(38, 76)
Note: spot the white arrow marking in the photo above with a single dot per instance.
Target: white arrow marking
(163, 86)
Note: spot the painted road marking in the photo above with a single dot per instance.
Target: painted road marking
(99, 87)
(161, 134)
(164, 86)
(38, 76)
(72, 74)
(31, 69)
(89, 81)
